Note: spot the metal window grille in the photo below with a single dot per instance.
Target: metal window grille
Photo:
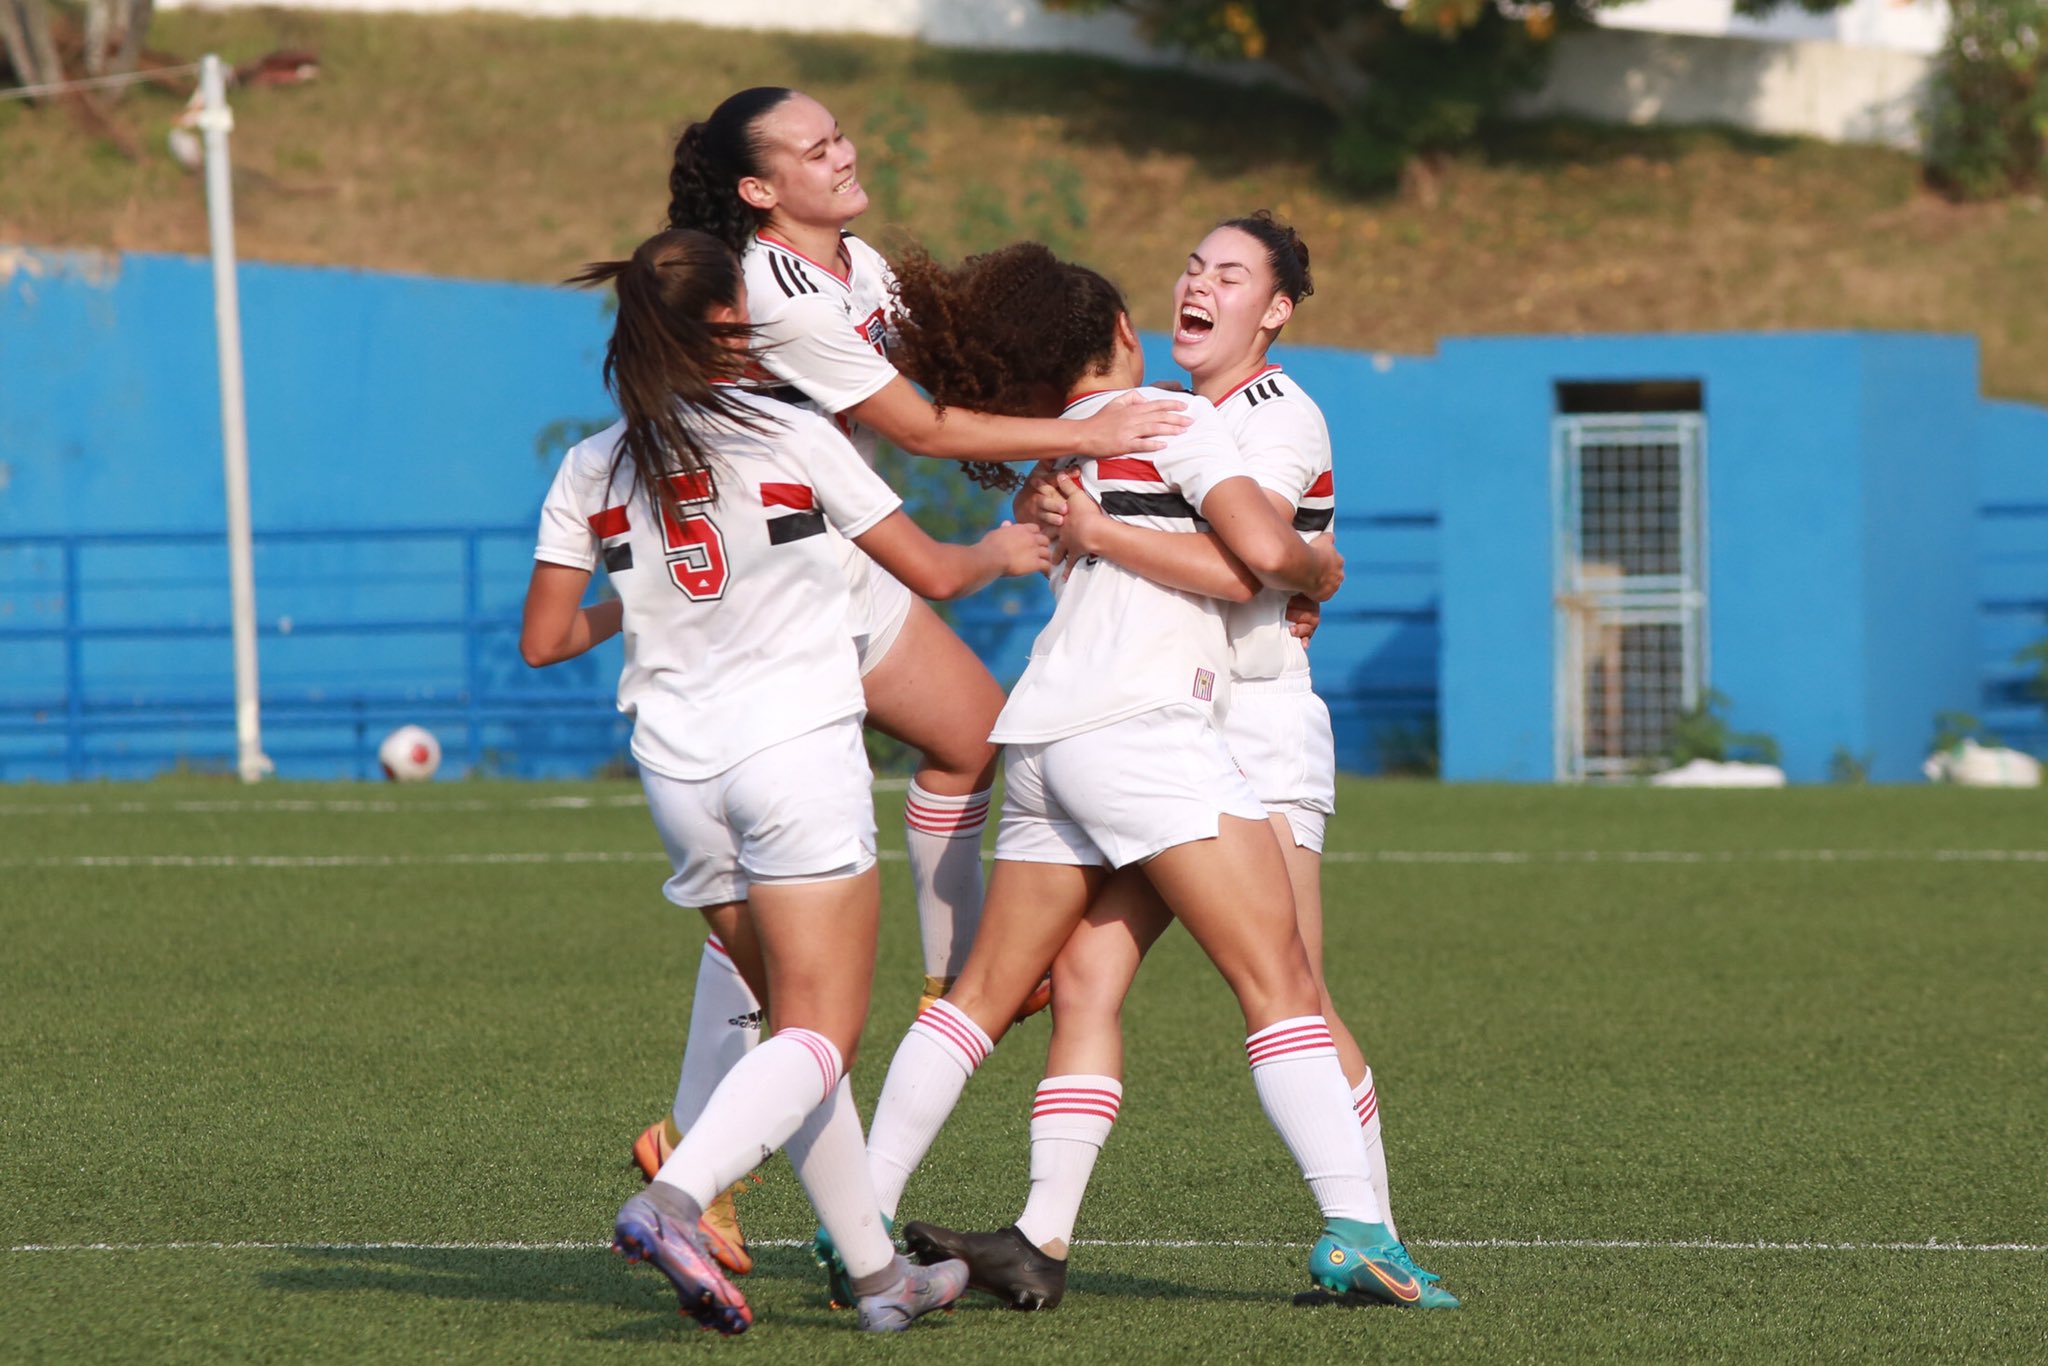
(1631, 586)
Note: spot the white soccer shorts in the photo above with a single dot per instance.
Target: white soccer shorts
(799, 811)
(1279, 732)
(1121, 793)
(878, 605)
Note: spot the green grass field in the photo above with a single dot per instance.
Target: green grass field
(328, 1071)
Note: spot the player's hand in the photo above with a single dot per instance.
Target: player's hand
(1131, 424)
(1019, 549)
(1081, 528)
(1040, 501)
(1329, 567)
(1304, 615)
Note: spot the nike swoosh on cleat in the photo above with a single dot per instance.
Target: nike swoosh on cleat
(1405, 1287)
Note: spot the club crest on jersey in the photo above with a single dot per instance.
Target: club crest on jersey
(875, 332)
(1205, 685)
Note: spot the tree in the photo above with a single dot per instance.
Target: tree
(36, 45)
(1405, 79)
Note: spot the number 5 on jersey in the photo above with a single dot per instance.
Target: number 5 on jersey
(693, 544)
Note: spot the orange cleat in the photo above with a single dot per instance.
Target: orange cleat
(720, 1226)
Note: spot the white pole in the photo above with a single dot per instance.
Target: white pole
(215, 122)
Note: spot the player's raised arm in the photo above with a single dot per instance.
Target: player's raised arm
(935, 569)
(911, 421)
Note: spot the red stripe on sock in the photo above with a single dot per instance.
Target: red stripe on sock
(953, 1032)
(1091, 1112)
(1292, 1039)
(718, 948)
(821, 1052)
(1287, 1035)
(1307, 1050)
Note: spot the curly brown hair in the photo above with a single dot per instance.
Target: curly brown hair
(1008, 332)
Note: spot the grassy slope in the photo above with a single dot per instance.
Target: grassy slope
(1750, 1050)
(473, 145)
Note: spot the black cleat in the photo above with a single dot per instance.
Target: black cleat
(1004, 1264)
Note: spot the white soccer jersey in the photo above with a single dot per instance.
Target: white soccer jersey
(1286, 446)
(826, 334)
(735, 618)
(1119, 644)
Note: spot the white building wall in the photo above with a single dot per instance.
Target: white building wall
(1855, 75)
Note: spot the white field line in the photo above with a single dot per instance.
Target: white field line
(1173, 1244)
(348, 805)
(1505, 858)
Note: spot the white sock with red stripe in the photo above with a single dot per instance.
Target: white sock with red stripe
(943, 838)
(926, 1077)
(725, 1024)
(831, 1160)
(1302, 1089)
(1070, 1121)
(1365, 1102)
(753, 1112)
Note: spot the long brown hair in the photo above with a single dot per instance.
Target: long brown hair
(1007, 332)
(666, 362)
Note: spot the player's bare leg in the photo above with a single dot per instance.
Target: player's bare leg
(1074, 1107)
(817, 940)
(1305, 873)
(1031, 910)
(932, 693)
(726, 1020)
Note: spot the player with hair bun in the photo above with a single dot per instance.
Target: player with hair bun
(1115, 759)
(708, 506)
(1238, 291)
(770, 173)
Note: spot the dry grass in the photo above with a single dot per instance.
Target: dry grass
(481, 146)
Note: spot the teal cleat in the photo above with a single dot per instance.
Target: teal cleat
(838, 1285)
(1352, 1272)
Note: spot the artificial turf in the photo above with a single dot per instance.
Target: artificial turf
(305, 1020)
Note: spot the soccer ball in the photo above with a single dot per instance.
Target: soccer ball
(409, 754)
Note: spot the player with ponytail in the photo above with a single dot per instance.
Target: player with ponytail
(709, 508)
(770, 173)
(1238, 290)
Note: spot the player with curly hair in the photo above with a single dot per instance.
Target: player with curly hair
(708, 507)
(1115, 757)
(1239, 289)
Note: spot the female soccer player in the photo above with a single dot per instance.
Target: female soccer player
(708, 507)
(771, 174)
(1238, 290)
(1114, 756)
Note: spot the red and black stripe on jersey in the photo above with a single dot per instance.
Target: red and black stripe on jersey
(1132, 487)
(1317, 506)
(611, 528)
(804, 517)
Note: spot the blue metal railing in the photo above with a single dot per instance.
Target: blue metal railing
(350, 648)
(80, 704)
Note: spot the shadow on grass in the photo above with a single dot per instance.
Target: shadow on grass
(1547, 144)
(1230, 129)
(784, 1286)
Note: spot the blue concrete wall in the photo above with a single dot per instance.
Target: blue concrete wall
(397, 439)
(1840, 531)
(1920, 530)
